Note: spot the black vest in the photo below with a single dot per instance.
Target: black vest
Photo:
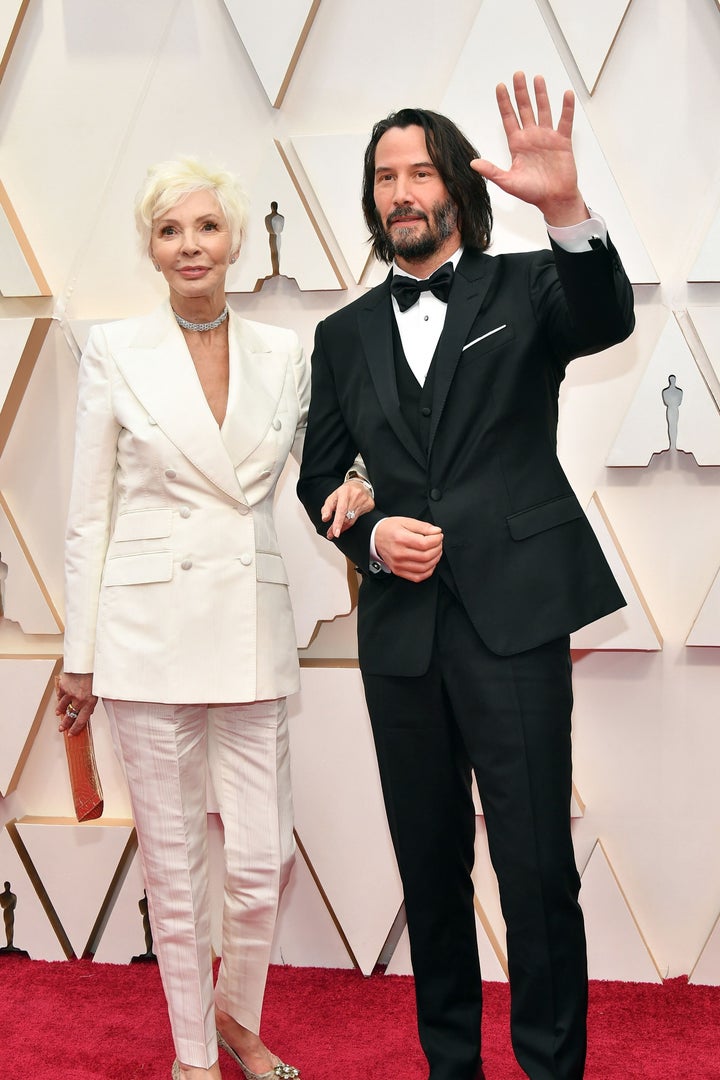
(415, 400)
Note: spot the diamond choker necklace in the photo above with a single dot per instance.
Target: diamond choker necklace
(201, 326)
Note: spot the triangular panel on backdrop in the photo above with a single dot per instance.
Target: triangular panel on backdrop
(494, 50)
(273, 35)
(126, 931)
(26, 600)
(672, 410)
(282, 237)
(20, 343)
(706, 969)
(64, 853)
(577, 806)
(590, 30)
(305, 933)
(339, 812)
(32, 930)
(493, 963)
(20, 273)
(25, 688)
(707, 264)
(633, 626)
(706, 628)
(333, 164)
(616, 946)
(706, 323)
(12, 14)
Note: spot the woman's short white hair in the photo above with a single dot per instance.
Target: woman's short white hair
(170, 181)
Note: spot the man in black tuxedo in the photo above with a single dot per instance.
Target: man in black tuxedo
(477, 561)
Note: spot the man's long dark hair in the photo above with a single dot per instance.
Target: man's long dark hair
(451, 153)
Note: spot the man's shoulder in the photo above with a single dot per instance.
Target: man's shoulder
(377, 295)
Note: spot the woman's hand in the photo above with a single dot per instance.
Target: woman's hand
(345, 504)
(75, 701)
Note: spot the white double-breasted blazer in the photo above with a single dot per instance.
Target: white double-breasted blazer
(175, 587)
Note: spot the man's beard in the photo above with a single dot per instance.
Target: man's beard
(413, 246)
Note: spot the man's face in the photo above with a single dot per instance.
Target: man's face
(413, 205)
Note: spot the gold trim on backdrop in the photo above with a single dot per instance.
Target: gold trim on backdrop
(23, 243)
(31, 563)
(5, 58)
(21, 378)
(306, 205)
(39, 716)
(296, 54)
(336, 922)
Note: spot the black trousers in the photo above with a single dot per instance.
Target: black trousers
(508, 720)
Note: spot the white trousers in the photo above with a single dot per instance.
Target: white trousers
(167, 752)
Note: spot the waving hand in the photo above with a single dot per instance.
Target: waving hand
(542, 170)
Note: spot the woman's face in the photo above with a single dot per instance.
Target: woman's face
(190, 244)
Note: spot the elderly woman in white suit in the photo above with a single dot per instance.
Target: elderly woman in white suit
(177, 604)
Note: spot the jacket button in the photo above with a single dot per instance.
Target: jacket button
(170, 473)
(277, 424)
(186, 564)
(426, 411)
(243, 509)
(436, 494)
(246, 559)
(184, 511)
(151, 420)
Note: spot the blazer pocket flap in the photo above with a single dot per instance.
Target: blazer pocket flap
(143, 524)
(269, 567)
(545, 516)
(139, 569)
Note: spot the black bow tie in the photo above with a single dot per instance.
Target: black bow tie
(406, 290)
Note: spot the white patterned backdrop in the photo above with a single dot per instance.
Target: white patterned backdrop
(284, 93)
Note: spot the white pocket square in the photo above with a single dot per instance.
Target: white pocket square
(483, 336)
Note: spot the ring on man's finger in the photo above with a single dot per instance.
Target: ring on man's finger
(71, 712)
(350, 514)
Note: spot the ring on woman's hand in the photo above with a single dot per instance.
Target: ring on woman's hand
(350, 514)
(71, 712)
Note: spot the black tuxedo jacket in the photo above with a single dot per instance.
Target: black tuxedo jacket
(523, 557)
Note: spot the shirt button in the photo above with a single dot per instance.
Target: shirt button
(184, 511)
(436, 494)
(277, 424)
(425, 318)
(170, 473)
(246, 559)
(426, 410)
(243, 509)
(152, 421)
(186, 564)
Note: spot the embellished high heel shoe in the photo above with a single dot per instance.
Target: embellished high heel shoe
(279, 1071)
(176, 1074)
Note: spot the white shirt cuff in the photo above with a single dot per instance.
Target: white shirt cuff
(376, 563)
(576, 238)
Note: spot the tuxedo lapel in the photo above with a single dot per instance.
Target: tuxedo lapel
(375, 327)
(470, 286)
(158, 368)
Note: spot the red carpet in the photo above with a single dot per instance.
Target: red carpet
(77, 1020)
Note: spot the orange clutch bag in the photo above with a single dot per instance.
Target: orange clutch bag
(84, 779)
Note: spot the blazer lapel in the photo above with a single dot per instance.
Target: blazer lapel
(375, 326)
(472, 280)
(158, 368)
(257, 377)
